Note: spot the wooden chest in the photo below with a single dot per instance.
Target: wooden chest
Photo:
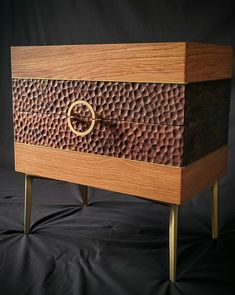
(149, 120)
(155, 114)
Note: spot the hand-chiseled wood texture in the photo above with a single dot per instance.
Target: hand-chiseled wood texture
(152, 181)
(178, 62)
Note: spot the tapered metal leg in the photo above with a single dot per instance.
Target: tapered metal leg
(173, 230)
(84, 194)
(27, 202)
(215, 210)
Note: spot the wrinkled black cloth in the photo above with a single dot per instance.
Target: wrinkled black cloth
(118, 244)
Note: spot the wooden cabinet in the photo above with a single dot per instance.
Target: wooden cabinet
(149, 120)
(160, 103)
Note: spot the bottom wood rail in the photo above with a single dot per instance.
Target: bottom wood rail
(173, 219)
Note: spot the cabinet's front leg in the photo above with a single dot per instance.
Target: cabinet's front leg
(27, 202)
(173, 230)
(84, 194)
(215, 210)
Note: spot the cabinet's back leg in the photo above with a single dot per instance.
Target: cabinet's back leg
(215, 210)
(27, 202)
(84, 194)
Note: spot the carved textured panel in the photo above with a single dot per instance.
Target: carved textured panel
(142, 102)
(160, 123)
(146, 142)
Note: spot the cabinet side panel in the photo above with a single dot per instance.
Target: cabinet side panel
(208, 62)
(203, 173)
(206, 118)
(202, 138)
(154, 103)
(208, 100)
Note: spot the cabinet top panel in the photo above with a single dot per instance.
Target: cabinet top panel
(173, 62)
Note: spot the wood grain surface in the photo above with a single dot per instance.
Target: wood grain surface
(177, 62)
(203, 173)
(126, 176)
(152, 181)
(208, 62)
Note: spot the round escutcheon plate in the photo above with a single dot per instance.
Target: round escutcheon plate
(93, 117)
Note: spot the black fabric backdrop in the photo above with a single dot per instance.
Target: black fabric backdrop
(119, 244)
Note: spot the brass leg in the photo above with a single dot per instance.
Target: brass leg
(173, 229)
(84, 194)
(215, 210)
(27, 202)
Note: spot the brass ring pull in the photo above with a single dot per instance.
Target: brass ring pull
(93, 117)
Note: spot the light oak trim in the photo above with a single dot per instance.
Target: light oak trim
(101, 62)
(152, 181)
(157, 182)
(203, 173)
(208, 62)
(177, 62)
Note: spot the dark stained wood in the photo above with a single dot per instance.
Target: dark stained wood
(157, 123)
(162, 144)
(208, 100)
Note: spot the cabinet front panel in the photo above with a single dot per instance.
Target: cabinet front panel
(132, 102)
(146, 142)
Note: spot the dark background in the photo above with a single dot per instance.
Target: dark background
(119, 244)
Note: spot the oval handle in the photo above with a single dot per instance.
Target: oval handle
(93, 117)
